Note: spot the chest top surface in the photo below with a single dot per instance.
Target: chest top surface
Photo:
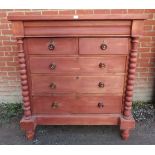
(78, 25)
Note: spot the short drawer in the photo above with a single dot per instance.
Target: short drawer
(74, 65)
(77, 84)
(76, 104)
(103, 46)
(52, 46)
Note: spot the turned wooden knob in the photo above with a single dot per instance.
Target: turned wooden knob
(55, 105)
(100, 105)
(52, 66)
(51, 45)
(101, 65)
(103, 46)
(52, 85)
(101, 84)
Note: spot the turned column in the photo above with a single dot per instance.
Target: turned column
(130, 78)
(24, 80)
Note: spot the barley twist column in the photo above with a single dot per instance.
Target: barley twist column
(131, 78)
(24, 81)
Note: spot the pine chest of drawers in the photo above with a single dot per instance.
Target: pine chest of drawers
(77, 70)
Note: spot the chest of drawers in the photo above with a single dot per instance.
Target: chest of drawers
(77, 70)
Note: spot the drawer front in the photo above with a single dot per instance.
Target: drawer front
(74, 65)
(52, 46)
(79, 104)
(77, 28)
(103, 46)
(77, 84)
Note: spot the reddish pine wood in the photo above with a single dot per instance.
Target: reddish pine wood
(73, 45)
(117, 23)
(125, 126)
(78, 65)
(28, 125)
(93, 46)
(18, 29)
(77, 84)
(81, 30)
(80, 17)
(137, 28)
(77, 104)
(61, 46)
(78, 119)
(131, 78)
(24, 79)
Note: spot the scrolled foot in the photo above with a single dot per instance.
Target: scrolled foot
(30, 134)
(28, 125)
(125, 134)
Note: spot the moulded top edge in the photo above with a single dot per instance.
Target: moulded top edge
(77, 17)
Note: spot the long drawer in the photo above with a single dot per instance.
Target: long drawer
(52, 46)
(77, 84)
(74, 28)
(76, 104)
(103, 46)
(74, 65)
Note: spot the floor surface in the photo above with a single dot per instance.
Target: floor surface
(144, 133)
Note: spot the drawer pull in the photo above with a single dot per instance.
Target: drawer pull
(51, 46)
(100, 105)
(103, 46)
(52, 66)
(52, 85)
(101, 84)
(101, 65)
(55, 105)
